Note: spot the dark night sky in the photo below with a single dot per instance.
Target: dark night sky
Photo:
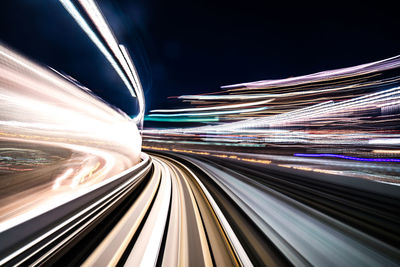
(187, 47)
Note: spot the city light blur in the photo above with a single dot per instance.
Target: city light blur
(249, 134)
(341, 121)
(56, 137)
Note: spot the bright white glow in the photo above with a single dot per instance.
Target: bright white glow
(102, 26)
(211, 113)
(151, 252)
(263, 102)
(62, 177)
(385, 141)
(90, 140)
(138, 87)
(84, 25)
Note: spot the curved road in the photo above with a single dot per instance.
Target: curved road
(202, 212)
(175, 222)
(180, 210)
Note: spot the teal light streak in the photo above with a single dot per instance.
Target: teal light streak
(182, 119)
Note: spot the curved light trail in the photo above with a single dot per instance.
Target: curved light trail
(57, 140)
(115, 53)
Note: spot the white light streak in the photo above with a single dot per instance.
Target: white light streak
(211, 113)
(86, 28)
(62, 177)
(257, 103)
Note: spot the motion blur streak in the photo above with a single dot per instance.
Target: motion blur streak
(302, 171)
(139, 89)
(183, 214)
(339, 116)
(346, 157)
(213, 107)
(211, 113)
(57, 139)
(115, 53)
(309, 175)
(69, 6)
(304, 232)
(359, 90)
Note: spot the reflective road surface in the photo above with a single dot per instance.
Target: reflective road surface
(175, 209)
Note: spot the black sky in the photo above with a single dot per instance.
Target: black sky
(188, 47)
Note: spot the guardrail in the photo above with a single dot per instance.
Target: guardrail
(39, 239)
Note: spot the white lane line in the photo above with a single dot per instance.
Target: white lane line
(146, 250)
(304, 235)
(183, 182)
(153, 246)
(111, 249)
(237, 247)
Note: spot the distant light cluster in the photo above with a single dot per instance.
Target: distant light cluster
(306, 96)
(349, 114)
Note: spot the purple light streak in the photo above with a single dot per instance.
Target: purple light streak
(346, 157)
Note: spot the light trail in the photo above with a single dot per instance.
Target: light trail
(389, 63)
(300, 171)
(61, 133)
(140, 94)
(61, 178)
(346, 157)
(345, 114)
(212, 108)
(238, 111)
(102, 26)
(284, 161)
(70, 7)
(317, 247)
(195, 202)
(147, 250)
(350, 90)
(186, 216)
(115, 53)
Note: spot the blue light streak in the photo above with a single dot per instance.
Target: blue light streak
(346, 157)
